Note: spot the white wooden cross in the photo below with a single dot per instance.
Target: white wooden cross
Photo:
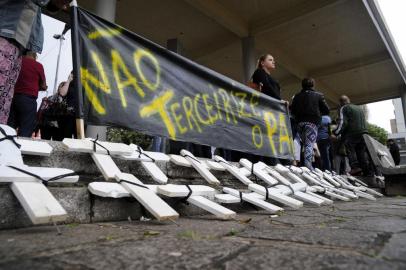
(27, 182)
(360, 185)
(331, 190)
(110, 170)
(296, 174)
(344, 185)
(316, 184)
(270, 193)
(147, 160)
(361, 191)
(207, 163)
(253, 198)
(324, 175)
(340, 188)
(276, 195)
(298, 190)
(197, 195)
(95, 146)
(233, 170)
(259, 170)
(121, 151)
(34, 147)
(240, 174)
(154, 204)
(199, 166)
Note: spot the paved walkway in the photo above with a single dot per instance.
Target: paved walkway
(355, 235)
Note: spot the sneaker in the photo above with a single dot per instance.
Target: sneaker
(356, 171)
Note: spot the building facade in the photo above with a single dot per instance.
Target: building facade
(398, 129)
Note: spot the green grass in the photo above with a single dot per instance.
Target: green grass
(190, 234)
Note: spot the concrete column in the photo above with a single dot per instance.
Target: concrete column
(174, 45)
(248, 57)
(107, 10)
(403, 98)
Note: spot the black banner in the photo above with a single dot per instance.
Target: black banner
(128, 81)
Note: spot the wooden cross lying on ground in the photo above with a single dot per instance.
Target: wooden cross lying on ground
(110, 171)
(336, 185)
(360, 190)
(193, 196)
(317, 185)
(359, 185)
(100, 152)
(27, 183)
(328, 188)
(200, 167)
(297, 189)
(255, 199)
(147, 160)
(241, 175)
(121, 151)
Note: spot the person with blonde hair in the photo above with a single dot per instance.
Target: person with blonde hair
(262, 78)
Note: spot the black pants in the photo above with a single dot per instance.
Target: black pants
(23, 114)
(66, 128)
(50, 132)
(358, 146)
(197, 150)
(324, 148)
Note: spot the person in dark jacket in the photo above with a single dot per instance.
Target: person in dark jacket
(307, 107)
(394, 151)
(263, 79)
(351, 126)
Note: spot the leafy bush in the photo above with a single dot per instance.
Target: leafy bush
(378, 133)
(128, 136)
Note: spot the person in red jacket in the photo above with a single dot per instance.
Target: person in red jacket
(24, 105)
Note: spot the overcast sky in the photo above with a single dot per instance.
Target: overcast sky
(380, 113)
(49, 55)
(394, 14)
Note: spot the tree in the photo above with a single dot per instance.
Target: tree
(377, 133)
(365, 110)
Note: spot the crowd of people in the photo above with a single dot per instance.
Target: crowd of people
(56, 118)
(319, 142)
(22, 77)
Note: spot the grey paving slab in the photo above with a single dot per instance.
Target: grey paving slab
(151, 253)
(376, 224)
(305, 239)
(395, 248)
(366, 242)
(305, 257)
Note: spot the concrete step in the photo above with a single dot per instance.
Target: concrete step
(84, 207)
(83, 164)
